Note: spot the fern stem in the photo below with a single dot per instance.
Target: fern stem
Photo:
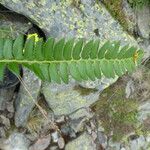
(57, 61)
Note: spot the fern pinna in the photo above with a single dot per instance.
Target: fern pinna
(58, 60)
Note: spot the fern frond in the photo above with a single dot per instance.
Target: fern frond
(58, 60)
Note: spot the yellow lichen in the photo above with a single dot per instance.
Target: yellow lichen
(35, 35)
(135, 57)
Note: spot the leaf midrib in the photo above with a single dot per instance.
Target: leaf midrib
(58, 61)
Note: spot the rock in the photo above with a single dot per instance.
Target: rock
(144, 111)
(6, 95)
(143, 21)
(5, 121)
(139, 143)
(60, 119)
(13, 24)
(10, 80)
(102, 139)
(10, 107)
(79, 118)
(16, 141)
(2, 133)
(100, 84)
(81, 113)
(64, 18)
(68, 131)
(94, 135)
(89, 130)
(41, 143)
(148, 139)
(27, 97)
(90, 84)
(78, 125)
(113, 145)
(61, 143)
(129, 88)
(122, 148)
(55, 136)
(53, 148)
(130, 16)
(65, 99)
(83, 142)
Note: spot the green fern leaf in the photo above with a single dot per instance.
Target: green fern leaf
(63, 70)
(58, 49)
(53, 71)
(56, 61)
(74, 71)
(2, 69)
(67, 53)
(1, 48)
(90, 71)
(97, 70)
(14, 68)
(18, 47)
(77, 49)
(94, 51)
(48, 49)
(7, 52)
(82, 70)
(38, 50)
(29, 48)
(87, 50)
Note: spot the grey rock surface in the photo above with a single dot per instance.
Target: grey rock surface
(27, 97)
(143, 21)
(11, 25)
(5, 122)
(139, 143)
(83, 142)
(6, 95)
(65, 18)
(81, 113)
(16, 141)
(65, 99)
(144, 111)
(129, 16)
(2, 132)
(41, 144)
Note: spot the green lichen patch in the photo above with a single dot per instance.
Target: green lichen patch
(117, 114)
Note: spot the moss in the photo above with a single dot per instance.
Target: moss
(117, 114)
(115, 8)
(138, 3)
